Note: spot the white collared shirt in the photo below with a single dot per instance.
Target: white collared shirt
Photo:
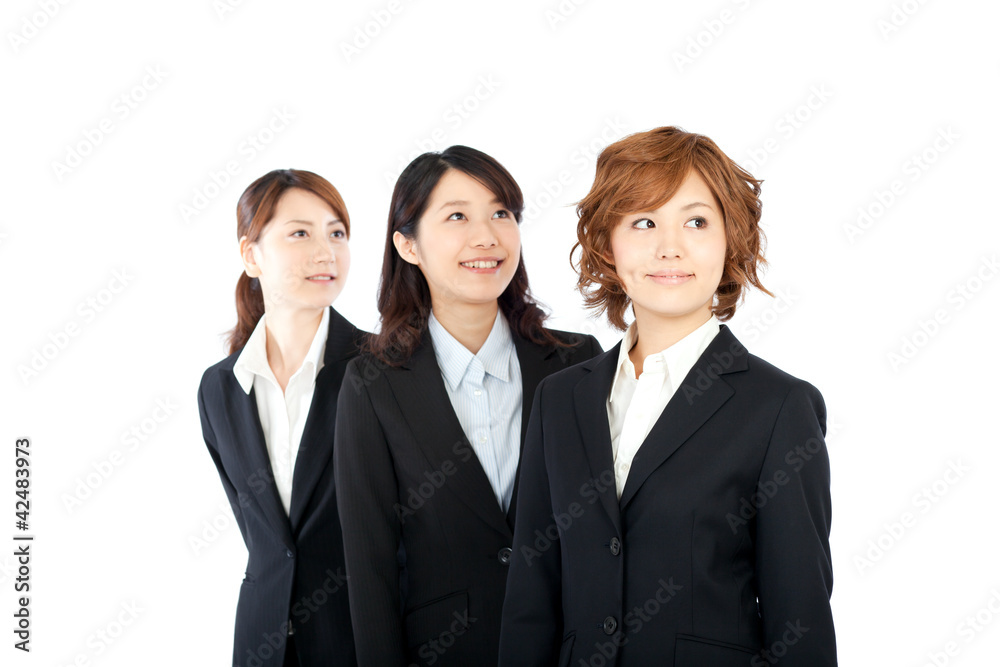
(634, 405)
(282, 415)
(486, 392)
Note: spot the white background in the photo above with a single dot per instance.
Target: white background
(829, 103)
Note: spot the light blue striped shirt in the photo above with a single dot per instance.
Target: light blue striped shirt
(486, 393)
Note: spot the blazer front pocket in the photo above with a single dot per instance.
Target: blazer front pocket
(691, 651)
(438, 619)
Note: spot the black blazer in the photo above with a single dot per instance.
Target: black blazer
(719, 547)
(295, 573)
(426, 542)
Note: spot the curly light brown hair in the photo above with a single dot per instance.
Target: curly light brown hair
(641, 172)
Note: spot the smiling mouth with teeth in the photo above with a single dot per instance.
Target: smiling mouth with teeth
(481, 265)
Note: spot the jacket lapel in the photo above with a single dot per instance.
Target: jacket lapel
(590, 396)
(316, 447)
(698, 397)
(421, 395)
(252, 455)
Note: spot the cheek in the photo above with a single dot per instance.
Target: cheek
(435, 244)
(719, 254)
(511, 241)
(431, 259)
(343, 254)
(623, 256)
(712, 254)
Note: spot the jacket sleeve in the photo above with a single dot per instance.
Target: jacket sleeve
(367, 497)
(794, 568)
(532, 611)
(208, 433)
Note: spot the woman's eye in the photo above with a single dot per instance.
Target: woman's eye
(701, 223)
(301, 233)
(643, 223)
(461, 216)
(501, 214)
(338, 234)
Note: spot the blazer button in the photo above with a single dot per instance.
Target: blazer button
(616, 546)
(289, 554)
(504, 555)
(610, 625)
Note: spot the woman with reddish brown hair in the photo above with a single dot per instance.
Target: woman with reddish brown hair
(268, 416)
(430, 422)
(675, 491)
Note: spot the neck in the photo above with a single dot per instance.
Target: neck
(656, 333)
(469, 323)
(290, 332)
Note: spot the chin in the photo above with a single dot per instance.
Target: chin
(317, 305)
(671, 310)
(480, 297)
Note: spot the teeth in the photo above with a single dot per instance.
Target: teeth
(481, 265)
(320, 278)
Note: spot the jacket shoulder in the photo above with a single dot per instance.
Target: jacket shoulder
(366, 369)
(772, 379)
(210, 378)
(565, 379)
(579, 341)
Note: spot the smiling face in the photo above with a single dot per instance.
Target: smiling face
(671, 260)
(301, 257)
(467, 244)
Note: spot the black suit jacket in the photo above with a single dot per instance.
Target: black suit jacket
(718, 549)
(295, 573)
(426, 542)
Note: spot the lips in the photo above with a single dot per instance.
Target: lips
(482, 263)
(322, 277)
(670, 277)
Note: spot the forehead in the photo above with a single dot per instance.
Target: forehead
(693, 189)
(456, 185)
(672, 195)
(299, 204)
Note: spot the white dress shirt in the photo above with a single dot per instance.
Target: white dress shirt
(282, 415)
(486, 392)
(634, 405)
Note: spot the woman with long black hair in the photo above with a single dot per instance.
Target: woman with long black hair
(430, 422)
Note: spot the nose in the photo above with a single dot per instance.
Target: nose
(668, 242)
(323, 250)
(483, 235)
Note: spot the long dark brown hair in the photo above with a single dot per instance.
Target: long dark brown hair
(404, 300)
(254, 210)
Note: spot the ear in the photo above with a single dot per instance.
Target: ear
(247, 254)
(406, 247)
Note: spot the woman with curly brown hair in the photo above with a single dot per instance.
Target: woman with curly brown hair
(674, 501)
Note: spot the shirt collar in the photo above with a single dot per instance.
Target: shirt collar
(253, 359)
(454, 358)
(680, 356)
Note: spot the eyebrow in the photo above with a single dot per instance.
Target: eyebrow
(309, 222)
(696, 204)
(463, 202)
